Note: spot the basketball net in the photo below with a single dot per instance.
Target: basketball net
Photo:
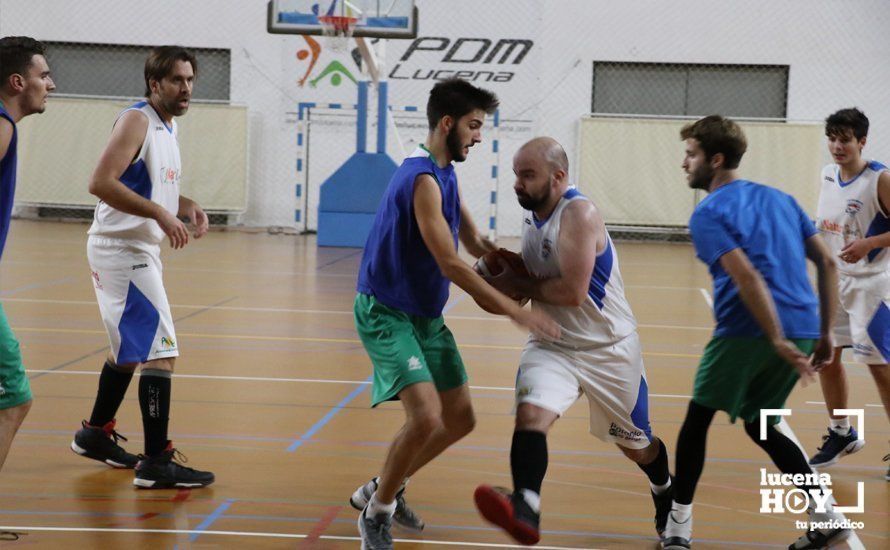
(337, 30)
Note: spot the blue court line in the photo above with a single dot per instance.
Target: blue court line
(332, 262)
(327, 418)
(352, 395)
(32, 286)
(208, 521)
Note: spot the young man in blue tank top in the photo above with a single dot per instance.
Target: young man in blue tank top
(756, 241)
(852, 217)
(409, 261)
(25, 83)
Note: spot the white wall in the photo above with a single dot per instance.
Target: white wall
(837, 52)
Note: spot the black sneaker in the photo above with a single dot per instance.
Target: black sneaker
(100, 443)
(374, 531)
(404, 516)
(162, 472)
(662, 508)
(510, 512)
(835, 446)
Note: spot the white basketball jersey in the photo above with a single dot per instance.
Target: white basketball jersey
(605, 316)
(154, 174)
(850, 210)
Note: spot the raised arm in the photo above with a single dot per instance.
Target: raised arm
(123, 147)
(438, 239)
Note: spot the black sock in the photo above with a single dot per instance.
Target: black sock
(113, 384)
(785, 454)
(691, 446)
(657, 470)
(154, 400)
(528, 460)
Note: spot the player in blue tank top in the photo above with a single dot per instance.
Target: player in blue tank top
(409, 261)
(25, 83)
(755, 241)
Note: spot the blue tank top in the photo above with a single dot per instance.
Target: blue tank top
(397, 268)
(7, 181)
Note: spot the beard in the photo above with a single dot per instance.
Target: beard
(701, 177)
(455, 147)
(529, 202)
(174, 108)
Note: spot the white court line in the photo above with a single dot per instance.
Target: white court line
(498, 318)
(867, 404)
(298, 380)
(25, 528)
(707, 297)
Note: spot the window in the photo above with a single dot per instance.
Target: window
(742, 91)
(115, 70)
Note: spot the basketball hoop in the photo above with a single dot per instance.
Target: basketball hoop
(338, 30)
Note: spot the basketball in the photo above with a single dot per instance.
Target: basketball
(492, 264)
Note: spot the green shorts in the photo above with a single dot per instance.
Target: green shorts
(743, 375)
(14, 386)
(406, 349)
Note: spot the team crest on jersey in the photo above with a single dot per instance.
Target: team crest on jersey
(169, 175)
(546, 248)
(853, 207)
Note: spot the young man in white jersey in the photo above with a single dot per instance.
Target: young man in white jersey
(137, 181)
(852, 217)
(575, 280)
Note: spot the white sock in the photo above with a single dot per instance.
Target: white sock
(376, 508)
(533, 499)
(660, 489)
(840, 426)
(681, 512)
(679, 521)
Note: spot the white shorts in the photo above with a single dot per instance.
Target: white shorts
(862, 321)
(132, 300)
(612, 378)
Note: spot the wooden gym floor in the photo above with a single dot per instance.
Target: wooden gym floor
(271, 394)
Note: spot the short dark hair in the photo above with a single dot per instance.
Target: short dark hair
(16, 53)
(456, 97)
(852, 120)
(717, 134)
(162, 59)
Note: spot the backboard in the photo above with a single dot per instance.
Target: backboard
(376, 18)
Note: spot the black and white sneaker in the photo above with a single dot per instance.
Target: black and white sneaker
(663, 504)
(100, 443)
(374, 531)
(163, 472)
(404, 516)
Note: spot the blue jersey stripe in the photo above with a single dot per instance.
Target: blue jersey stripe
(879, 225)
(136, 178)
(602, 271)
(879, 331)
(137, 328)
